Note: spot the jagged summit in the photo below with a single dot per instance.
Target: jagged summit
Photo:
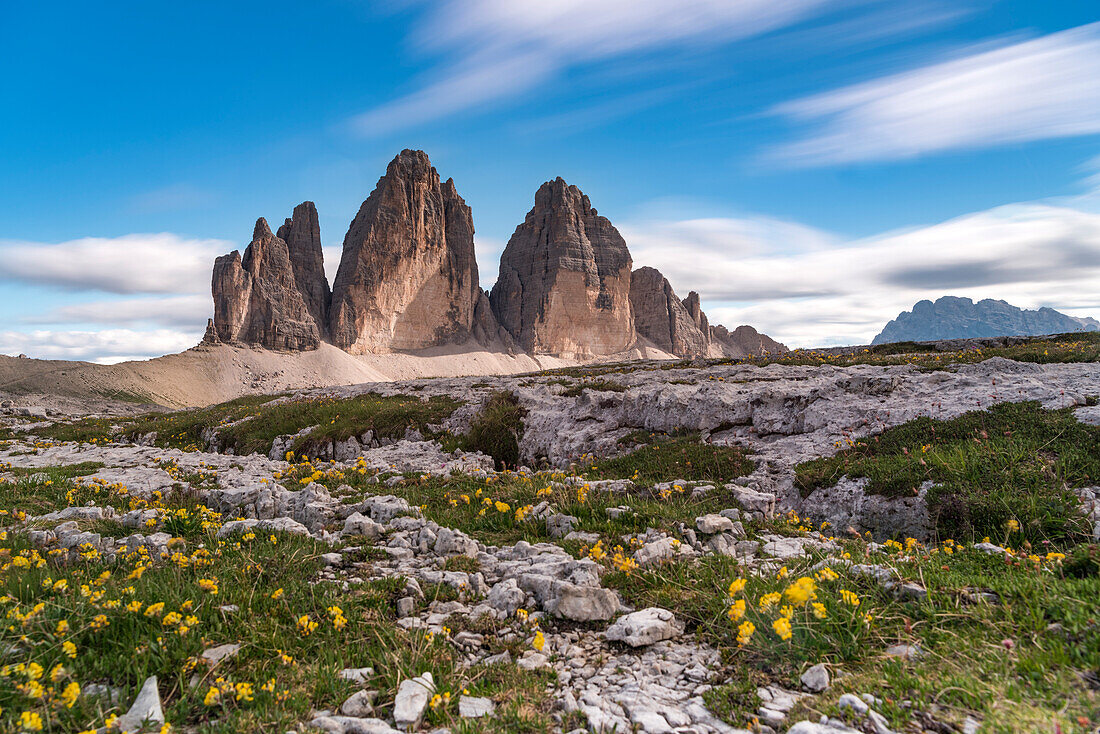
(408, 280)
(564, 283)
(257, 298)
(408, 276)
(952, 317)
(681, 327)
(302, 235)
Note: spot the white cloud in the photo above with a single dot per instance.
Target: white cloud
(135, 263)
(805, 291)
(106, 346)
(1048, 87)
(493, 49)
(177, 311)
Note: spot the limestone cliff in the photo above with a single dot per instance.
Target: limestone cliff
(660, 317)
(302, 235)
(256, 298)
(564, 283)
(407, 278)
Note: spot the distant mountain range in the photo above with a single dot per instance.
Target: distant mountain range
(951, 317)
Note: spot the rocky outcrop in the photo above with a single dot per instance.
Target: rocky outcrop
(951, 317)
(256, 298)
(660, 317)
(408, 278)
(564, 283)
(302, 235)
(695, 311)
(744, 341)
(681, 327)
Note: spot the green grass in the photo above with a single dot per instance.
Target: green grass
(250, 424)
(127, 646)
(966, 669)
(677, 457)
(1014, 462)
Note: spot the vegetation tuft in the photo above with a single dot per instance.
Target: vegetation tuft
(1015, 462)
(498, 429)
(666, 458)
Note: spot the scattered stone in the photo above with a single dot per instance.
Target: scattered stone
(470, 707)
(645, 627)
(146, 708)
(357, 675)
(411, 701)
(215, 655)
(816, 679)
(711, 524)
(532, 660)
(360, 704)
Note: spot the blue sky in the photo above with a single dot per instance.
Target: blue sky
(811, 167)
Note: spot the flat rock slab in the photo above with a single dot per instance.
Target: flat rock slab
(146, 707)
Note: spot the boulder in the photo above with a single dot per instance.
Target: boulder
(412, 700)
(645, 627)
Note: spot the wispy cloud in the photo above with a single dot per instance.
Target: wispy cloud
(177, 311)
(1048, 87)
(135, 263)
(494, 49)
(808, 288)
(105, 346)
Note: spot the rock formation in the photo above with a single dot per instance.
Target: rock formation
(681, 327)
(744, 341)
(951, 317)
(564, 283)
(302, 235)
(407, 278)
(256, 299)
(660, 317)
(691, 303)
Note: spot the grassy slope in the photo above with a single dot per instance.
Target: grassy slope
(1015, 461)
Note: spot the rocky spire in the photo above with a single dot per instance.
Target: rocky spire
(660, 317)
(302, 234)
(256, 298)
(408, 277)
(695, 311)
(564, 284)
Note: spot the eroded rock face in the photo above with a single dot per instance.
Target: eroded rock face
(256, 298)
(564, 284)
(660, 317)
(302, 235)
(408, 278)
(744, 341)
